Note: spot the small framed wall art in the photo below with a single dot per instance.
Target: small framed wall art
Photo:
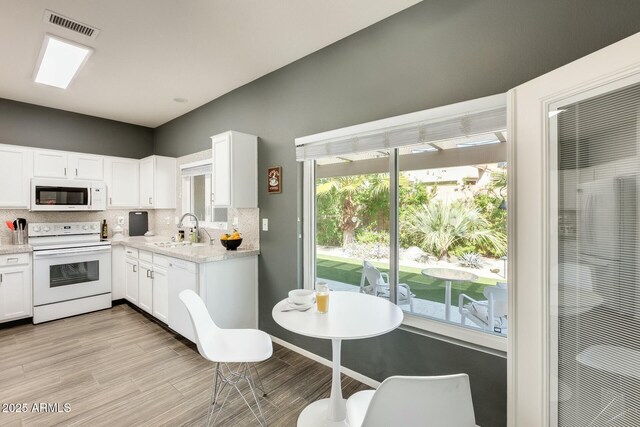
(274, 180)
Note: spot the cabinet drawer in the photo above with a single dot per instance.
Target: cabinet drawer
(14, 259)
(145, 256)
(160, 261)
(131, 252)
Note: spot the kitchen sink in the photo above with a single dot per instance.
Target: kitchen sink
(171, 244)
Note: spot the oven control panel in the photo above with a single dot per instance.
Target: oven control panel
(63, 228)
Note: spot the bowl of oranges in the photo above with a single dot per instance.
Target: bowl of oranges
(231, 241)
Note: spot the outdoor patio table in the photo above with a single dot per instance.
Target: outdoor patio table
(449, 275)
(351, 316)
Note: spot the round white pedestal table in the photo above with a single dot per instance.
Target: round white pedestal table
(351, 316)
(449, 275)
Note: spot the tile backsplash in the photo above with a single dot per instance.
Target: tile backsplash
(110, 215)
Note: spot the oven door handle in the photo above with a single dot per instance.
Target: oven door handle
(72, 251)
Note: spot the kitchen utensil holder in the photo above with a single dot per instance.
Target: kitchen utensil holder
(18, 237)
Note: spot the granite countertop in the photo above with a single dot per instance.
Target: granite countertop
(197, 254)
(15, 249)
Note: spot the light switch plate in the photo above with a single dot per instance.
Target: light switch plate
(265, 224)
(120, 220)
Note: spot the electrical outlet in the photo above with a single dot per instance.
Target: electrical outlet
(167, 220)
(235, 221)
(265, 224)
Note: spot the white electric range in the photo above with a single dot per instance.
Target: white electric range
(71, 269)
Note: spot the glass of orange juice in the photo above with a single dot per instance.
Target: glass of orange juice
(322, 297)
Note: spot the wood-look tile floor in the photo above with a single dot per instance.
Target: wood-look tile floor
(116, 367)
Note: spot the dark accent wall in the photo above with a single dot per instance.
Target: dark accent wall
(435, 53)
(42, 127)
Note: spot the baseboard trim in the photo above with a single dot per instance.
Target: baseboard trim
(348, 372)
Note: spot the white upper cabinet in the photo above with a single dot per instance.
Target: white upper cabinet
(146, 182)
(158, 182)
(122, 177)
(60, 164)
(235, 170)
(16, 169)
(86, 166)
(50, 164)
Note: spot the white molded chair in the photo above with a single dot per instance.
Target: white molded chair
(488, 314)
(373, 282)
(224, 346)
(442, 401)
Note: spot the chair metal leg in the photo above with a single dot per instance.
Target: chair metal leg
(225, 376)
(260, 385)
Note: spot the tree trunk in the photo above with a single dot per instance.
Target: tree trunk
(348, 237)
(349, 221)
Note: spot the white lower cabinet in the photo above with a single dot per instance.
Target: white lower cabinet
(153, 283)
(161, 294)
(131, 280)
(146, 281)
(15, 287)
(145, 287)
(118, 289)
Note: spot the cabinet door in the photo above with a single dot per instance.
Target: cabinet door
(15, 168)
(50, 164)
(222, 171)
(145, 281)
(147, 182)
(164, 181)
(131, 280)
(118, 268)
(161, 293)
(86, 166)
(15, 292)
(122, 183)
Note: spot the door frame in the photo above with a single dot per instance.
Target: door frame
(528, 391)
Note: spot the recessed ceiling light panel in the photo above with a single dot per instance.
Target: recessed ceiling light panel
(59, 61)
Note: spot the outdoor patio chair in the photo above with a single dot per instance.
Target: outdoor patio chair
(491, 314)
(374, 282)
(442, 401)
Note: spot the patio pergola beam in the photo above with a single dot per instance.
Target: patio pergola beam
(453, 157)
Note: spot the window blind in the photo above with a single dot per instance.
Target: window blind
(415, 128)
(596, 272)
(197, 170)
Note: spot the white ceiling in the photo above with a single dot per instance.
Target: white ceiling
(149, 52)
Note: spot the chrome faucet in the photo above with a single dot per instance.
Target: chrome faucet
(197, 224)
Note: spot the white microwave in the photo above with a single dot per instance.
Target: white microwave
(67, 195)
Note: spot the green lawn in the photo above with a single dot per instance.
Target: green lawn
(349, 271)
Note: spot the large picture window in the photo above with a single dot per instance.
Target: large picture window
(446, 260)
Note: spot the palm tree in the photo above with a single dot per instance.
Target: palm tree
(440, 226)
(348, 192)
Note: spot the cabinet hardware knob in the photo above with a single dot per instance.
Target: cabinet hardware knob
(76, 171)
(65, 171)
(1, 278)
(135, 269)
(150, 200)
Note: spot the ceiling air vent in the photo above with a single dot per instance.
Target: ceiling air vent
(70, 24)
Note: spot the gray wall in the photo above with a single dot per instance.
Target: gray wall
(435, 53)
(35, 126)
